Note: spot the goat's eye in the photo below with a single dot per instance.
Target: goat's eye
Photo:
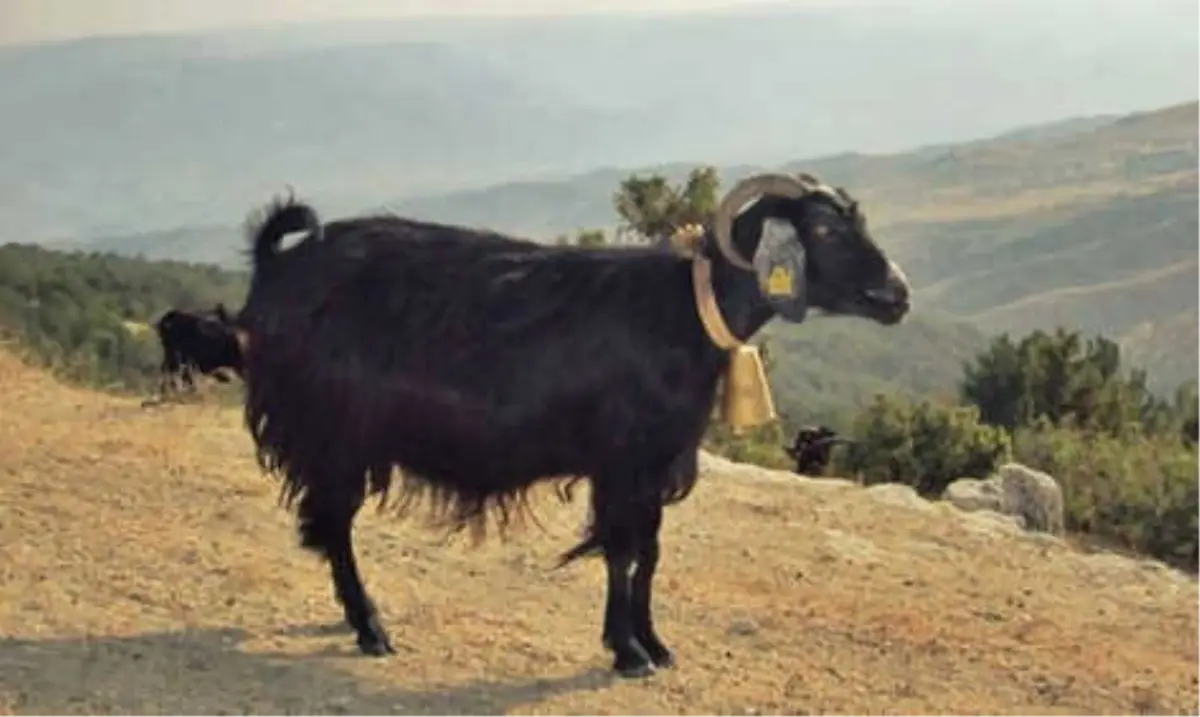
(821, 231)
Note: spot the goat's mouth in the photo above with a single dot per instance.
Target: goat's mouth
(885, 306)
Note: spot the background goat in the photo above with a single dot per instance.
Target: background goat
(197, 341)
(812, 449)
(478, 365)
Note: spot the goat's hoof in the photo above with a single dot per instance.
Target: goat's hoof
(655, 650)
(633, 663)
(662, 658)
(636, 671)
(375, 644)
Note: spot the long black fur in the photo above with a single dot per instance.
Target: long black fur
(548, 361)
(480, 365)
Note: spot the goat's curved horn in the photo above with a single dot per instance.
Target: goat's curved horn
(808, 180)
(750, 188)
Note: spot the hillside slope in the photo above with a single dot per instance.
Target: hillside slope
(1078, 219)
(78, 309)
(144, 567)
(1090, 224)
(1109, 246)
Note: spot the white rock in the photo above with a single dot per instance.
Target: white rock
(1032, 497)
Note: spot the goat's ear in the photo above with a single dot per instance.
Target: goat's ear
(780, 262)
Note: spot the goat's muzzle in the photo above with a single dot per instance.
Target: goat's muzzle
(892, 301)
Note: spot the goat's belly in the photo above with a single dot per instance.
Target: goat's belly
(442, 442)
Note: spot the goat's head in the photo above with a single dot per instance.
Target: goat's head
(810, 434)
(810, 247)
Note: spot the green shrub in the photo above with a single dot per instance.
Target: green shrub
(1139, 491)
(762, 446)
(1064, 377)
(926, 445)
(74, 312)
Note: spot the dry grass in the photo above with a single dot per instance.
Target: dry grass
(144, 567)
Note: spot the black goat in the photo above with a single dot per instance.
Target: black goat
(478, 365)
(197, 341)
(812, 449)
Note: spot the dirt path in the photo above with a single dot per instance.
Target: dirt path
(144, 567)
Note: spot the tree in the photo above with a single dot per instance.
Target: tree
(71, 309)
(1056, 376)
(591, 238)
(585, 238)
(651, 209)
(1184, 409)
(922, 444)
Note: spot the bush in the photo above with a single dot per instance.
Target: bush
(762, 446)
(1139, 491)
(88, 315)
(1061, 377)
(1182, 414)
(925, 445)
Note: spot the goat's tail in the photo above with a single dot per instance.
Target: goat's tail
(267, 228)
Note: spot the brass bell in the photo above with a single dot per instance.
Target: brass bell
(746, 402)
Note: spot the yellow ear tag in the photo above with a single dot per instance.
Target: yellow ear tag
(780, 282)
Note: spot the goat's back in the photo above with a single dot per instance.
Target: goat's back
(451, 352)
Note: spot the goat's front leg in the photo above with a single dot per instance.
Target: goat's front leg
(641, 587)
(618, 533)
(629, 659)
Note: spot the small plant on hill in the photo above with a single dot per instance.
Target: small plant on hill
(1056, 377)
(1138, 491)
(1125, 458)
(923, 444)
(762, 446)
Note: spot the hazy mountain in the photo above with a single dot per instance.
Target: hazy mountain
(1033, 196)
(1089, 223)
(123, 135)
(133, 144)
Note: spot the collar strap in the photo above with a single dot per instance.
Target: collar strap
(706, 305)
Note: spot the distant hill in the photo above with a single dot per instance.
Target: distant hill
(127, 135)
(1095, 229)
(214, 244)
(1089, 223)
(139, 143)
(1069, 209)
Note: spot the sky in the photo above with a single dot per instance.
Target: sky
(25, 21)
(40, 20)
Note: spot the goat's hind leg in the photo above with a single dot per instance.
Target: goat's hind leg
(326, 526)
(169, 371)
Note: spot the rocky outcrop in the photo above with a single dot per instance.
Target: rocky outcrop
(1032, 497)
